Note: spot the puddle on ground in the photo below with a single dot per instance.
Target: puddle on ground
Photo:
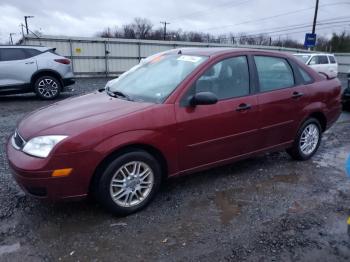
(291, 178)
(227, 207)
(333, 158)
(9, 248)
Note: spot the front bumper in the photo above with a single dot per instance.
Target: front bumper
(34, 175)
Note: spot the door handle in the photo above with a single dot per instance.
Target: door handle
(297, 95)
(29, 63)
(243, 107)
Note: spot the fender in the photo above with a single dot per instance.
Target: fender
(53, 72)
(165, 144)
(314, 107)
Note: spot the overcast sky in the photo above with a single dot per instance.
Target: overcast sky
(87, 17)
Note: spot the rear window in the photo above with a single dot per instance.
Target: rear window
(305, 76)
(31, 52)
(332, 59)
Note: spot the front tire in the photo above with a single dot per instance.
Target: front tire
(47, 87)
(307, 141)
(129, 183)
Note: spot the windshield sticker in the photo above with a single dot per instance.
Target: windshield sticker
(189, 58)
(156, 59)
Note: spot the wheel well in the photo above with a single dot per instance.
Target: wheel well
(46, 73)
(321, 118)
(108, 159)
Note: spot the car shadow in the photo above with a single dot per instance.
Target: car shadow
(31, 97)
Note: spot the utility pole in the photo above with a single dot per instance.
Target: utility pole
(11, 40)
(26, 23)
(22, 30)
(315, 18)
(165, 23)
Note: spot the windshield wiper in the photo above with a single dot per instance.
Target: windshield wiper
(118, 94)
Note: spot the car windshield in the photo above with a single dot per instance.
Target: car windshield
(303, 58)
(155, 78)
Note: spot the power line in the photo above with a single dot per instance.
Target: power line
(303, 31)
(258, 32)
(274, 16)
(297, 26)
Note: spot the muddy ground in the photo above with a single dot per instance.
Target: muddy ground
(267, 208)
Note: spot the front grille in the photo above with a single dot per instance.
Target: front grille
(17, 141)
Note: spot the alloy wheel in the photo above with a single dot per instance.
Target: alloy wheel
(48, 88)
(131, 184)
(309, 139)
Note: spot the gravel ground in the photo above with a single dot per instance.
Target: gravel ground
(264, 208)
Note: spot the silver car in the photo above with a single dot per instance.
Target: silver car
(34, 69)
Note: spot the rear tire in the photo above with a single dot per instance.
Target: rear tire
(47, 87)
(129, 183)
(307, 140)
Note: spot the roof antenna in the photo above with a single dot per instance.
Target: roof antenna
(179, 53)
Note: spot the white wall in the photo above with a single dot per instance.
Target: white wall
(90, 59)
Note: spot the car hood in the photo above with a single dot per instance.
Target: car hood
(76, 114)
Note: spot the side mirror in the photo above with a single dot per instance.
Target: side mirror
(203, 98)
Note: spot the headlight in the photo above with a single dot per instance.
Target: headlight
(41, 146)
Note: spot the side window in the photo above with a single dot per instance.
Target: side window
(305, 76)
(10, 54)
(332, 59)
(314, 60)
(322, 59)
(228, 78)
(31, 52)
(274, 73)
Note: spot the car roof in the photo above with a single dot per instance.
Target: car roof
(37, 47)
(313, 54)
(215, 51)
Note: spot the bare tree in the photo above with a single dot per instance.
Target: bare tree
(129, 32)
(106, 33)
(142, 27)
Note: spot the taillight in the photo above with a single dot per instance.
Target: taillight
(64, 61)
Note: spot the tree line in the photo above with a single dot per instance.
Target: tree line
(142, 28)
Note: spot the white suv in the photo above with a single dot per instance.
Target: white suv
(34, 68)
(322, 63)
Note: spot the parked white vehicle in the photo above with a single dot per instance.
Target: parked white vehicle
(34, 68)
(322, 63)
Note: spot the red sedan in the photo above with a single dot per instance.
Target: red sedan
(175, 113)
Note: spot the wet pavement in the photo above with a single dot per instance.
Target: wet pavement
(264, 208)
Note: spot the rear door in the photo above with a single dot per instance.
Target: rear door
(213, 133)
(17, 66)
(281, 99)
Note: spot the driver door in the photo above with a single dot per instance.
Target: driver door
(209, 134)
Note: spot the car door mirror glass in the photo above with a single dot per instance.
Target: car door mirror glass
(203, 98)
